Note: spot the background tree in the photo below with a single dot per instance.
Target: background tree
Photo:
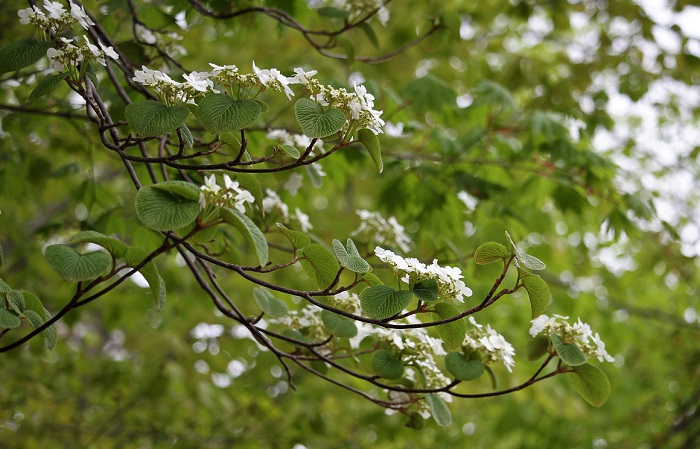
(499, 117)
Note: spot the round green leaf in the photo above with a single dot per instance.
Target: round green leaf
(382, 301)
(591, 383)
(152, 118)
(426, 290)
(16, 301)
(339, 325)
(73, 266)
(21, 54)
(350, 258)
(439, 410)
(538, 291)
(184, 189)
(371, 143)
(115, 247)
(268, 303)
(461, 368)
(162, 210)
(452, 334)
(537, 347)
(319, 264)
(314, 121)
(220, 112)
(490, 252)
(568, 353)
(387, 364)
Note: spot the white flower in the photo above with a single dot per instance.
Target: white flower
(494, 344)
(383, 231)
(272, 203)
(145, 34)
(92, 47)
(293, 183)
(26, 15)
(210, 184)
(108, 51)
(54, 56)
(303, 220)
(80, 15)
(55, 9)
(199, 81)
(222, 68)
(600, 351)
(263, 75)
(301, 77)
(579, 334)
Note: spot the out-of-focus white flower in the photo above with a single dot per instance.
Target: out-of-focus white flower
(382, 231)
(145, 34)
(79, 14)
(294, 183)
(303, 220)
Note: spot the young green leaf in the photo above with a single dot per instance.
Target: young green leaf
(439, 410)
(186, 135)
(426, 290)
(350, 258)
(4, 288)
(371, 279)
(525, 260)
(461, 368)
(115, 247)
(387, 364)
(371, 143)
(162, 209)
(220, 112)
(314, 121)
(152, 118)
(50, 334)
(16, 301)
(296, 238)
(568, 353)
(47, 85)
(490, 252)
(73, 266)
(9, 319)
(537, 347)
(270, 304)
(591, 383)
(382, 301)
(290, 150)
(21, 54)
(319, 264)
(339, 325)
(537, 290)
(249, 230)
(452, 334)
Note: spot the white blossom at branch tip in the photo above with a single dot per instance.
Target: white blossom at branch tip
(303, 220)
(108, 51)
(79, 14)
(579, 334)
(55, 9)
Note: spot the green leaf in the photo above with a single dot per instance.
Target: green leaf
(50, 334)
(4, 288)
(439, 410)
(32, 302)
(314, 121)
(21, 54)
(47, 85)
(492, 376)
(290, 150)
(592, 384)
(319, 264)
(184, 189)
(382, 301)
(493, 93)
(115, 247)
(263, 106)
(415, 421)
(490, 252)
(165, 208)
(186, 136)
(430, 93)
(73, 266)
(371, 143)
(16, 301)
(568, 353)
(338, 325)
(34, 307)
(220, 112)
(462, 368)
(332, 12)
(9, 319)
(133, 258)
(452, 334)
(371, 35)
(350, 258)
(314, 177)
(526, 260)
(249, 230)
(387, 364)
(296, 238)
(34, 318)
(152, 118)
(537, 290)
(251, 184)
(268, 303)
(537, 347)
(426, 290)
(371, 279)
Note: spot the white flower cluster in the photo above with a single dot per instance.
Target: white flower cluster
(411, 270)
(173, 92)
(70, 55)
(384, 232)
(578, 333)
(487, 340)
(298, 141)
(356, 8)
(56, 17)
(273, 204)
(166, 40)
(232, 195)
